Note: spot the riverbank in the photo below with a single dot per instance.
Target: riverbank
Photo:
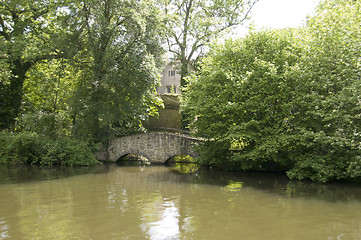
(31, 148)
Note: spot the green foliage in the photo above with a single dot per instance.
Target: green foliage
(70, 152)
(183, 158)
(46, 107)
(48, 86)
(20, 148)
(213, 153)
(50, 125)
(29, 33)
(286, 99)
(330, 104)
(30, 148)
(86, 68)
(115, 88)
(242, 95)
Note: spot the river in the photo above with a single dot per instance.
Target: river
(158, 202)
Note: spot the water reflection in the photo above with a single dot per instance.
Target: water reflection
(147, 202)
(193, 174)
(162, 221)
(157, 211)
(234, 186)
(11, 174)
(3, 229)
(183, 164)
(279, 184)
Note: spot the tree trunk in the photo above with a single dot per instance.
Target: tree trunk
(12, 95)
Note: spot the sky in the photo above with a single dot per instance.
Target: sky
(278, 14)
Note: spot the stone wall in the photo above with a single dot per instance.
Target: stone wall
(157, 147)
(169, 116)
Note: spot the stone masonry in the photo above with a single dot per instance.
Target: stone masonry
(157, 147)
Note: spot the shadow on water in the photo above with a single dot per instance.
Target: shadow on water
(12, 174)
(280, 184)
(273, 183)
(193, 174)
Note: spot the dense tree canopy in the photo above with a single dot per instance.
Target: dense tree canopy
(331, 102)
(117, 85)
(243, 95)
(29, 33)
(285, 99)
(87, 68)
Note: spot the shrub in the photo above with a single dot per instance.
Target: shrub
(67, 151)
(30, 148)
(26, 147)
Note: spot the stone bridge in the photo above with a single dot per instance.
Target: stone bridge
(157, 147)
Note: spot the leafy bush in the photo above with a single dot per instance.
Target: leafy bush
(30, 148)
(21, 148)
(50, 125)
(67, 151)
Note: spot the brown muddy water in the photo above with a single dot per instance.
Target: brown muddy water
(158, 202)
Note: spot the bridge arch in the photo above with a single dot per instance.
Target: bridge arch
(180, 158)
(157, 147)
(124, 154)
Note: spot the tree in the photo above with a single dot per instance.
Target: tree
(330, 107)
(241, 100)
(97, 61)
(287, 99)
(28, 31)
(47, 95)
(118, 74)
(192, 24)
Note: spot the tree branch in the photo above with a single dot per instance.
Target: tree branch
(4, 28)
(195, 47)
(176, 39)
(46, 57)
(247, 13)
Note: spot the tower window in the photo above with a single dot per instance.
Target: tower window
(171, 73)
